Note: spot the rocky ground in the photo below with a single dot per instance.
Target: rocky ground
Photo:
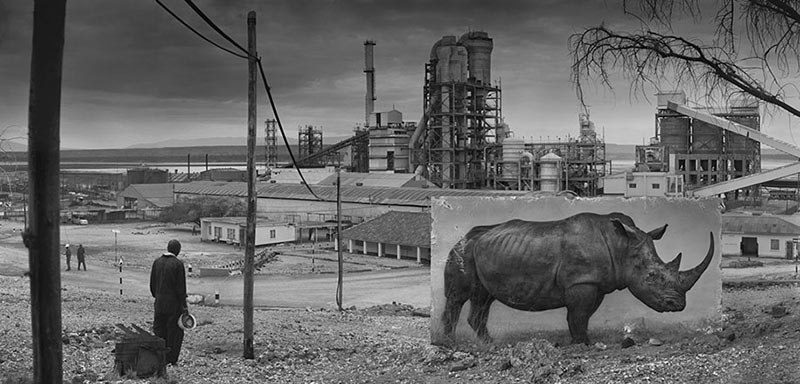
(758, 339)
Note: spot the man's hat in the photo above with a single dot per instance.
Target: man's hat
(187, 321)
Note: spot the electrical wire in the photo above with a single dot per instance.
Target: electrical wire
(185, 24)
(215, 27)
(266, 86)
(261, 70)
(274, 112)
(283, 133)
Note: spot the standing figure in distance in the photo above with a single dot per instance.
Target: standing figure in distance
(81, 257)
(168, 287)
(68, 254)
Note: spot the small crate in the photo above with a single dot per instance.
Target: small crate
(140, 353)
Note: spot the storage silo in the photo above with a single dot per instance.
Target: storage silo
(706, 138)
(550, 172)
(479, 46)
(512, 152)
(674, 133)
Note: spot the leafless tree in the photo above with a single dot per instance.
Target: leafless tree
(8, 159)
(753, 49)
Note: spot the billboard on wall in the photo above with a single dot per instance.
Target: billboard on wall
(508, 268)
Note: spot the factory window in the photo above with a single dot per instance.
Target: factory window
(271, 233)
(774, 244)
(656, 186)
(231, 234)
(632, 185)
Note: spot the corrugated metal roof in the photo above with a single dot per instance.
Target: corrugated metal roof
(159, 195)
(374, 179)
(366, 195)
(758, 225)
(239, 220)
(153, 190)
(290, 176)
(395, 227)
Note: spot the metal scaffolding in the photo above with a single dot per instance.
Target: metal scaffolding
(460, 126)
(271, 153)
(309, 141)
(705, 154)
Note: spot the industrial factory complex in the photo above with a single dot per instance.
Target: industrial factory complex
(461, 146)
(462, 142)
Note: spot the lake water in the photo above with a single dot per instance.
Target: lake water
(617, 166)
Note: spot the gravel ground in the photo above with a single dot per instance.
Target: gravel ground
(759, 341)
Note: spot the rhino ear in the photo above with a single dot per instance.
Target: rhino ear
(657, 233)
(624, 229)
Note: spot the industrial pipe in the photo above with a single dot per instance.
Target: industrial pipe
(519, 169)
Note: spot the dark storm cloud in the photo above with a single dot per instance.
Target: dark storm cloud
(139, 65)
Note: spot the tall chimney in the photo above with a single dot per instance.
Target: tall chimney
(369, 69)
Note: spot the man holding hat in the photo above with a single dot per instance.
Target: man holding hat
(168, 287)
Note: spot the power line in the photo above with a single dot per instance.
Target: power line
(185, 24)
(222, 33)
(266, 86)
(283, 133)
(216, 28)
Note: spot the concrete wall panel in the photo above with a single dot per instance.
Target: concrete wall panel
(689, 224)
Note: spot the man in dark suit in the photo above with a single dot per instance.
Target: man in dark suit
(168, 287)
(81, 257)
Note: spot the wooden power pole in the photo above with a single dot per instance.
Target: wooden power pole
(250, 240)
(42, 236)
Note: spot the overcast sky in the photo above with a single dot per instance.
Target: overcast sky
(132, 74)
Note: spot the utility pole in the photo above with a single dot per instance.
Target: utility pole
(249, 248)
(339, 236)
(44, 141)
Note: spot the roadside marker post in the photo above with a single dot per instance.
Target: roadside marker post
(119, 259)
(120, 276)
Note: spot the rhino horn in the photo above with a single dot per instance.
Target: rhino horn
(687, 279)
(657, 233)
(675, 264)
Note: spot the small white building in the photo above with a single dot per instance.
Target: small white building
(393, 234)
(643, 184)
(232, 230)
(763, 235)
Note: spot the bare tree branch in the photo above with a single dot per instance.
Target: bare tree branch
(649, 56)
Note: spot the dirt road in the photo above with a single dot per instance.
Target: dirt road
(408, 284)
(139, 243)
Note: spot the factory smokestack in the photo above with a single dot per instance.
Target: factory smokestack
(369, 69)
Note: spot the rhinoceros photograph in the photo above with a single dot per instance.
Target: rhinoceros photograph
(570, 263)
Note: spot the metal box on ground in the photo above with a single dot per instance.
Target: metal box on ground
(139, 354)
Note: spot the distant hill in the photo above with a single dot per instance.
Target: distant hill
(11, 146)
(222, 153)
(620, 151)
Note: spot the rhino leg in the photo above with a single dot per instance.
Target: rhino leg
(458, 275)
(480, 302)
(582, 301)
